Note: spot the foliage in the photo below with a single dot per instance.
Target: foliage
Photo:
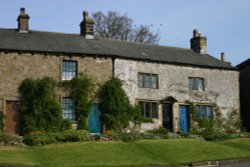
(161, 130)
(10, 139)
(65, 124)
(116, 26)
(74, 135)
(80, 89)
(39, 108)
(34, 139)
(1, 121)
(39, 138)
(117, 112)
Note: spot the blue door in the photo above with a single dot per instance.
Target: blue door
(95, 124)
(184, 119)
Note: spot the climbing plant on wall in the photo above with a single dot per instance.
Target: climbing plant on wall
(39, 108)
(117, 111)
(1, 121)
(81, 89)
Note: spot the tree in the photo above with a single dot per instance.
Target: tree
(116, 26)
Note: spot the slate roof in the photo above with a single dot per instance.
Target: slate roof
(244, 64)
(37, 41)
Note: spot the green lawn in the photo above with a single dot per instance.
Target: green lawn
(118, 153)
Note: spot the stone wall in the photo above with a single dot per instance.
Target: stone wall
(15, 67)
(221, 86)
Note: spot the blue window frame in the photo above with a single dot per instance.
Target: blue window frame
(196, 84)
(149, 109)
(69, 108)
(69, 69)
(148, 80)
(204, 111)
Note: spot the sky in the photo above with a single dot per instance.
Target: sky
(225, 23)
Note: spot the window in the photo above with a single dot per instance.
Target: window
(69, 70)
(69, 108)
(147, 80)
(149, 109)
(204, 111)
(196, 84)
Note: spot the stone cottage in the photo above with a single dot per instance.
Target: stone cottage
(245, 92)
(163, 80)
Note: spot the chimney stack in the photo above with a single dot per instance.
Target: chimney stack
(87, 26)
(199, 42)
(222, 57)
(23, 21)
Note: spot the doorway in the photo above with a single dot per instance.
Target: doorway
(184, 119)
(167, 116)
(12, 119)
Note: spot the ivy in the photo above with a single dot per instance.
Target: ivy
(81, 89)
(1, 121)
(117, 112)
(39, 107)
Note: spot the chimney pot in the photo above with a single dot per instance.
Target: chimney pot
(22, 10)
(222, 56)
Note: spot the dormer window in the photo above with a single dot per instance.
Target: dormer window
(69, 69)
(196, 84)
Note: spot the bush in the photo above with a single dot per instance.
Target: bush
(65, 124)
(74, 135)
(161, 130)
(10, 139)
(39, 139)
(129, 136)
(1, 121)
(39, 107)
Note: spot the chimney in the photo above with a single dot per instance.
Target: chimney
(222, 57)
(199, 42)
(87, 26)
(23, 21)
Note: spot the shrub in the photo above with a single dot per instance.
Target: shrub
(39, 108)
(65, 124)
(39, 138)
(81, 89)
(1, 121)
(161, 130)
(129, 136)
(10, 139)
(74, 135)
(117, 112)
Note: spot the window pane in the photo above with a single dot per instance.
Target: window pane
(68, 70)
(154, 81)
(140, 80)
(148, 109)
(190, 83)
(201, 84)
(209, 112)
(146, 81)
(154, 110)
(68, 108)
(195, 86)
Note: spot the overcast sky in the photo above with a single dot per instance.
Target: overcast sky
(225, 23)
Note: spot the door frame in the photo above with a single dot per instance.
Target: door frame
(171, 128)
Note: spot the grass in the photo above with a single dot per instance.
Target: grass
(118, 153)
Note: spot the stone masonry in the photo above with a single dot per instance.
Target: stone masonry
(173, 82)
